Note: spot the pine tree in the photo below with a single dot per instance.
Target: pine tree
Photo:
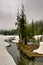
(32, 28)
(22, 25)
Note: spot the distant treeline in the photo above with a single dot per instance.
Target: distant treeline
(8, 32)
(38, 27)
(35, 28)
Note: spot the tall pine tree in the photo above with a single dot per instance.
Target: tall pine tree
(22, 25)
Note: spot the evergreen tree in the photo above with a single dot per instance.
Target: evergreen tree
(32, 28)
(22, 25)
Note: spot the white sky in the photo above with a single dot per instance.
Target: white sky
(8, 11)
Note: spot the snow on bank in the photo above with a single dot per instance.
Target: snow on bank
(37, 37)
(16, 39)
(5, 57)
(40, 49)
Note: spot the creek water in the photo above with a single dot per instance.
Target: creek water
(20, 59)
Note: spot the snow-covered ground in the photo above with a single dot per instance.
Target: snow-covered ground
(40, 49)
(16, 39)
(5, 57)
(37, 37)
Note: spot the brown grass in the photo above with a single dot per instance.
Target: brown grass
(27, 50)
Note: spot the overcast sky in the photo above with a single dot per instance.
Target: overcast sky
(8, 11)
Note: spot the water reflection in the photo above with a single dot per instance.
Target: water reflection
(24, 61)
(39, 59)
(20, 59)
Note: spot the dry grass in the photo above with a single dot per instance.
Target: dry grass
(27, 50)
